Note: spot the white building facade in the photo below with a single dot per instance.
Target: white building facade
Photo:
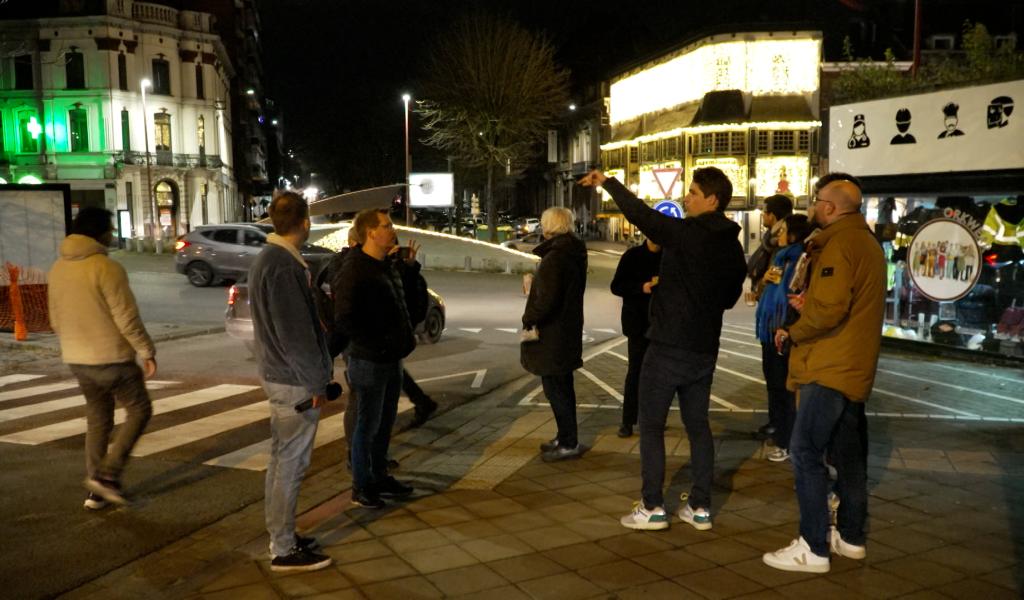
(74, 111)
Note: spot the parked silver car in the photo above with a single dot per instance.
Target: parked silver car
(525, 243)
(213, 253)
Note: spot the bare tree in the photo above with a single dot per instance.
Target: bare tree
(492, 89)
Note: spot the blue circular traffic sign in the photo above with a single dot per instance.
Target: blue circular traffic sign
(670, 208)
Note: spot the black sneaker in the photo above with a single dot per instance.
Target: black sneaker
(549, 446)
(306, 543)
(95, 502)
(625, 431)
(561, 453)
(390, 487)
(367, 499)
(107, 489)
(765, 432)
(424, 409)
(300, 559)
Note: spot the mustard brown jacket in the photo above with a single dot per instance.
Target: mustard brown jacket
(837, 338)
(92, 309)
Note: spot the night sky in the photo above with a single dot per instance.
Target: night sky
(337, 68)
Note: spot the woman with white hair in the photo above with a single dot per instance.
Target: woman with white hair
(554, 313)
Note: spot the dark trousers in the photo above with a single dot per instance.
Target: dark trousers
(561, 394)
(412, 389)
(826, 418)
(103, 386)
(637, 345)
(377, 387)
(668, 371)
(781, 402)
(416, 395)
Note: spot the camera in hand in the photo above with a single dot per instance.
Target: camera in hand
(333, 393)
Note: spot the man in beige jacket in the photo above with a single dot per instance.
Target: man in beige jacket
(93, 311)
(832, 366)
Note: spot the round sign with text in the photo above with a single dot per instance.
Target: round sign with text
(944, 260)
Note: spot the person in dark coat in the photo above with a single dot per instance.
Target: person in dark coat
(554, 314)
(634, 282)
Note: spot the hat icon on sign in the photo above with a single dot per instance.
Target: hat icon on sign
(903, 126)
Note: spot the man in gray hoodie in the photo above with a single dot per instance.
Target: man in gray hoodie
(294, 366)
(94, 314)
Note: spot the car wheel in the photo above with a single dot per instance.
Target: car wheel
(433, 327)
(199, 274)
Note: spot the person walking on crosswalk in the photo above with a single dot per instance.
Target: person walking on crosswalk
(94, 314)
(294, 367)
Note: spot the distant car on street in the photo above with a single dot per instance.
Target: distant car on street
(529, 225)
(213, 253)
(524, 243)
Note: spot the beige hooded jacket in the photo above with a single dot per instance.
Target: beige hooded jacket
(92, 309)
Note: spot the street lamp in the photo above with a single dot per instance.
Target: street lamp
(408, 202)
(153, 218)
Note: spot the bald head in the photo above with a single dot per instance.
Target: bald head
(835, 201)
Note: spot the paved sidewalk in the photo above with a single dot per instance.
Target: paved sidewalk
(492, 521)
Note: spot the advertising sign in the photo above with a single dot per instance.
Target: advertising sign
(33, 222)
(431, 189)
(964, 129)
(944, 260)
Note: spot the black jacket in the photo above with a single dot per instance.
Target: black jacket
(637, 266)
(370, 308)
(702, 272)
(290, 343)
(555, 307)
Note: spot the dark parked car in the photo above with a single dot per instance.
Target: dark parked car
(213, 253)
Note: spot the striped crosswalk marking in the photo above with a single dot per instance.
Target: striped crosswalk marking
(17, 378)
(72, 427)
(40, 408)
(192, 431)
(37, 390)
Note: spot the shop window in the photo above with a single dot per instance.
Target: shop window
(722, 142)
(672, 148)
(707, 143)
(634, 155)
(804, 141)
(162, 132)
(122, 72)
(126, 130)
(28, 132)
(782, 142)
(200, 83)
(646, 152)
(24, 77)
(763, 142)
(738, 144)
(78, 129)
(74, 68)
(161, 77)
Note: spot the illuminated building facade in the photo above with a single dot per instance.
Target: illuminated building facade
(73, 111)
(747, 103)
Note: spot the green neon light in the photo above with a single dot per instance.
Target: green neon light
(34, 127)
(30, 179)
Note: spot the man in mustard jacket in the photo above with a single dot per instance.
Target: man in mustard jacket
(835, 346)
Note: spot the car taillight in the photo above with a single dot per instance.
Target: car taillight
(181, 245)
(990, 259)
(232, 295)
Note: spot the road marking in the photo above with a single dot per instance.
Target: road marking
(528, 398)
(471, 329)
(507, 330)
(604, 386)
(974, 372)
(726, 403)
(17, 378)
(602, 349)
(192, 431)
(617, 355)
(41, 408)
(478, 379)
(955, 387)
(73, 427)
(611, 331)
(37, 390)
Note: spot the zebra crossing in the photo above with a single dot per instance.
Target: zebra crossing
(30, 415)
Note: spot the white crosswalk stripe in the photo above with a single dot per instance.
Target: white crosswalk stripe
(17, 378)
(40, 408)
(37, 390)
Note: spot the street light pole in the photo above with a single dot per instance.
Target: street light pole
(153, 217)
(408, 200)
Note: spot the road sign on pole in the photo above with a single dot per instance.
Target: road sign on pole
(667, 180)
(670, 208)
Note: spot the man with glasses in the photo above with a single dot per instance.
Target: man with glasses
(835, 346)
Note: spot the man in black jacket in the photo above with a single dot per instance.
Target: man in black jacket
(634, 282)
(371, 312)
(702, 271)
(293, 366)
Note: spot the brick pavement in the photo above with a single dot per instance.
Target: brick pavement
(493, 521)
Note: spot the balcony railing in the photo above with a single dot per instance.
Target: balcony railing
(169, 159)
(155, 13)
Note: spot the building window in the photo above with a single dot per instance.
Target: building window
(200, 83)
(722, 142)
(78, 129)
(706, 143)
(201, 134)
(647, 152)
(782, 142)
(74, 67)
(161, 77)
(804, 141)
(738, 143)
(162, 132)
(28, 132)
(24, 78)
(672, 148)
(763, 142)
(634, 154)
(122, 72)
(126, 130)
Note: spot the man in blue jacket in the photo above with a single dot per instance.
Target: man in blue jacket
(294, 366)
(702, 272)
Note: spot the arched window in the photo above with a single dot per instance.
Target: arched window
(122, 72)
(78, 129)
(74, 68)
(161, 76)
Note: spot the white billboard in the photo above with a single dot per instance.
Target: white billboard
(964, 129)
(431, 189)
(33, 222)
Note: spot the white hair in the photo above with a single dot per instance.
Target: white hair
(556, 221)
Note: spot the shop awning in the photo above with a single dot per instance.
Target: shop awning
(771, 109)
(716, 108)
(676, 118)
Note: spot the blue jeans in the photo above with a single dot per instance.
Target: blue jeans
(668, 370)
(825, 418)
(561, 394)
(378, 386)
(291, 447)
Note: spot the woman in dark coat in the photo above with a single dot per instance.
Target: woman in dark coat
(554, 311)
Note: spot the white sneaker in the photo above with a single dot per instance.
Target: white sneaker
(797, 557)
(778, 455)
(843, 549)
(647, 520)
(700, 518)
(95, 502)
